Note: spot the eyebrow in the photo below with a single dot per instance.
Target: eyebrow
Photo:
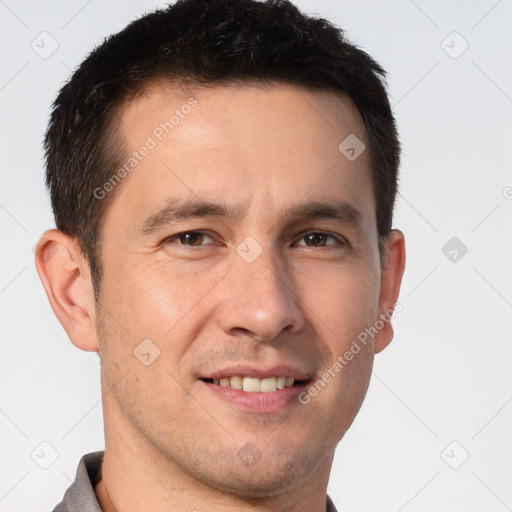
(179, 210)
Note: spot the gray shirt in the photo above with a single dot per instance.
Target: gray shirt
(80, 496)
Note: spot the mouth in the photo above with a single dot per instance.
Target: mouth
(261, 394)
(255, 384)
(256, 389)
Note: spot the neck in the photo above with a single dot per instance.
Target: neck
(135, 476)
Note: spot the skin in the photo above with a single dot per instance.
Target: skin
(265, 148)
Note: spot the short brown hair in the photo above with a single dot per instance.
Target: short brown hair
(204, 42)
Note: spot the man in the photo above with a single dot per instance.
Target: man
(222, 175)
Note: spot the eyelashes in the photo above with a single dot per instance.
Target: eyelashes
(192, 239)
(340, 241)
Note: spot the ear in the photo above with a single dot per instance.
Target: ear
(66, 278)
(390, 281)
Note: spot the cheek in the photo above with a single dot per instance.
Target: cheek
(153, 300)
(344, 302)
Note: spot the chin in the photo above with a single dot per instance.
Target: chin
(259, 487)
(267, 477)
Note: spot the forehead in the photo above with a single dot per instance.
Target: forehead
(244, 110)
(253, 144)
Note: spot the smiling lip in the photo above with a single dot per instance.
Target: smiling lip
(261, 372)
(257, 402)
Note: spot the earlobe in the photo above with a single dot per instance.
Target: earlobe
(391, 280)
(65, 275)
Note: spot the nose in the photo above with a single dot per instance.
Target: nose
(258, 299)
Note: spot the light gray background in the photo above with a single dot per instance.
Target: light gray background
(446, 375)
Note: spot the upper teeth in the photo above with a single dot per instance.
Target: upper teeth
(253, 384)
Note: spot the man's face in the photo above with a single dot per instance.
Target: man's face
(256, 294)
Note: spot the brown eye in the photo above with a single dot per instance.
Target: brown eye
(189, 238)
(319, 239)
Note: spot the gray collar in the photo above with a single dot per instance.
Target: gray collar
(80, 495)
